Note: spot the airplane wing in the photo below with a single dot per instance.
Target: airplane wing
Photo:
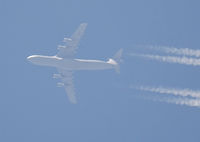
(67, 83)
(71, 44)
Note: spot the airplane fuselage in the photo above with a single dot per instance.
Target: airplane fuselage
(71, 64)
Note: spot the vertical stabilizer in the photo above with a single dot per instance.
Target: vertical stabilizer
(117, 56)
(118, 60)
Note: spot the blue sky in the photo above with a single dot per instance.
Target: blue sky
(33, 109)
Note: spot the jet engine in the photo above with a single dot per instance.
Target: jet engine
(56, 76)
(67, 39)
(59, 84)
(61, 46)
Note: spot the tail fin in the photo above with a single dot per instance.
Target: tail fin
(117, 58)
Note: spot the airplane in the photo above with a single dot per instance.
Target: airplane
(65, 62)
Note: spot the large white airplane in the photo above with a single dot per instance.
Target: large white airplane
(66, 64)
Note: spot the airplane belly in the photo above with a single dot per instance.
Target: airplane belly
(84, 65)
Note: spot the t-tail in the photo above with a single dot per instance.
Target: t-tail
(118, 60)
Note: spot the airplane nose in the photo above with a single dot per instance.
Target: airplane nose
(29, 58)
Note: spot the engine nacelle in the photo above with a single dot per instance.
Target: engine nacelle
(61, 46)
(56, 76)
(67, 39)
(59, 84)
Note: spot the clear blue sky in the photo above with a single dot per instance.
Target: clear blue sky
(33, 109)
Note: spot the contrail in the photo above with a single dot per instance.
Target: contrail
(177, 51)
(171, 59)
(173, 91)
(184, 101)
(180, 96)
(177, 100)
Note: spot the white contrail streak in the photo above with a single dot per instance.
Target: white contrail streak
(177, 100)
(179, 96)
(178, 51)
(173, 91)
(171, 59)
(184, 101)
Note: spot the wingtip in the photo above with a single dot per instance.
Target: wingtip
(84, 24)
(74, 102)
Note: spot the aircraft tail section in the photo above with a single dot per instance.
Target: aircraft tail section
(118, 60)
(117, 56)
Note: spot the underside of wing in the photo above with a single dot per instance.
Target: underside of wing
(71, 93)
(67, 80)
(71, 44)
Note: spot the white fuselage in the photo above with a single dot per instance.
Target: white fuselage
(71, 64)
